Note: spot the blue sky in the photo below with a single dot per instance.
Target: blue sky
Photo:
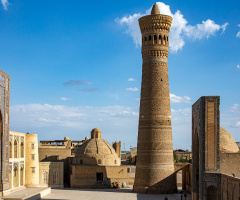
(76, 65)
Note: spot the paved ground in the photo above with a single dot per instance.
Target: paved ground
(25, 192)
(106, 194)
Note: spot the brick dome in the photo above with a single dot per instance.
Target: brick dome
(227, 143)
(97, 151)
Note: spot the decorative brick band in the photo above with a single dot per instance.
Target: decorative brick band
(155, 59)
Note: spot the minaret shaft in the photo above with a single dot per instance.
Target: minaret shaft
(155, 167)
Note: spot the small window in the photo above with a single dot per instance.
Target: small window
(81, 162)
(99, 161)
(33, 170)
(155, 39)
(33, 156)
(150, 37)
(145, 38)
(32, 146)
(115, 162)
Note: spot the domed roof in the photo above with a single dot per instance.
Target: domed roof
(96, 148)
(97, 151)
(227, 143)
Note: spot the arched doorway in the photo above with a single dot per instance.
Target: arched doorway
(45, 178)
(21, 176)
(212, 193)
(15, 176)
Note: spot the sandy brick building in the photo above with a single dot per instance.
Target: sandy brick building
(216, 157)
(96, 162)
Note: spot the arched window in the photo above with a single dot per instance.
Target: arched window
(55, 177)
(15, 171)
(15, 149)
(164, 40)
(150, 37)
(145, 40)
(22, 150)
(21, 175)
(45, 177)
(81, 162)
(155, 39)
(160, 39)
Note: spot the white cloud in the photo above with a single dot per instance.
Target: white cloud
(235, 108)
(237, 124)
(224, 27)
(179, 30)
(238, 34)
(132, 79)
(238, 66)
(132, 89)
(51, 122)
(177, 99)
(5, 4)
(118, 123)
(65, 99)
(204, 30)
(41, 115)
(76, 82)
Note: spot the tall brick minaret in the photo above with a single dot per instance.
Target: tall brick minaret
(155, 167)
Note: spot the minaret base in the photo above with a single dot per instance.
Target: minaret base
(166, 186)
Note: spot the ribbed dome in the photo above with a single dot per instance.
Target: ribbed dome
(95, 148)
(96, 151)
(227, 143)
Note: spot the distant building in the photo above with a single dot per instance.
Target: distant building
(24, 166)
(182, 155)
(96, 163)
(59, 151)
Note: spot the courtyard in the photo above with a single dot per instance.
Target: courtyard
(107, 194)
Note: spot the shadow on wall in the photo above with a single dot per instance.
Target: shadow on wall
(168, 184)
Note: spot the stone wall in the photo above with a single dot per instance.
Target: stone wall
(51, 174)
(230, 187)
(85, 176)
(4, 129)
(56, 154)
(230, 164)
